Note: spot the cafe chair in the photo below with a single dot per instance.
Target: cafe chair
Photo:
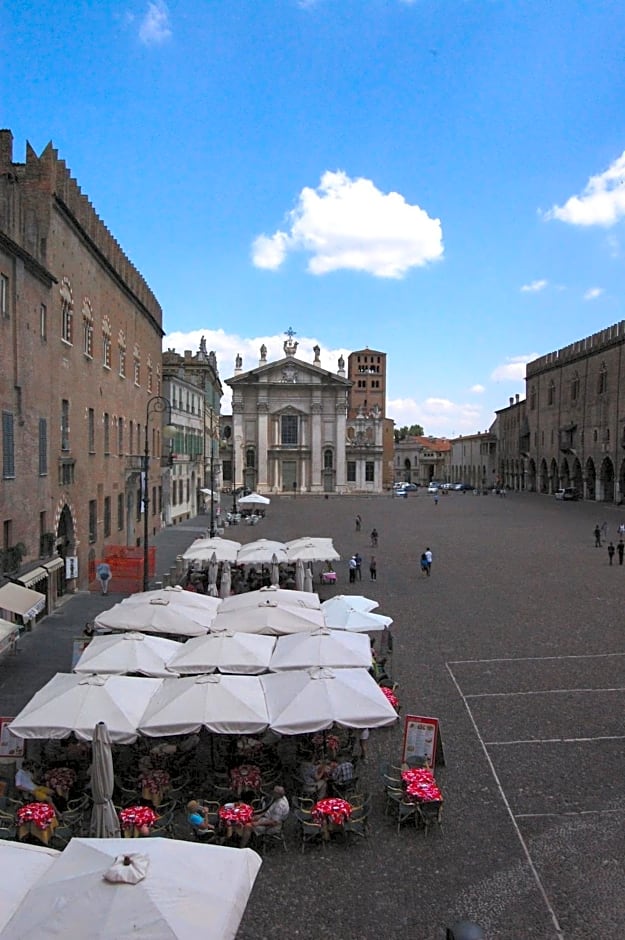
(394, 796)
(406, 812)
(63, 834)
(309, 832)
(357, 824)
(8, 829)
(430, 814)
(271, 837)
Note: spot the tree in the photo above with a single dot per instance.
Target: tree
(415, 430)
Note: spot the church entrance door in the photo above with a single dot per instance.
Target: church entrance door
(289, 475)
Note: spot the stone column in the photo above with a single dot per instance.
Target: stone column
(341, 423)
(237, 443)
(316, 481)
(261, 453)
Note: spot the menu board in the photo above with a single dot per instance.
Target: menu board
(10, 746)
(420, 738)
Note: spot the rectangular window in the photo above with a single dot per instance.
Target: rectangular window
(93, 521)
(7, 534)
(154, 503)
(139, 502)
(107, 433)
(107, 516)
(43, 321)
(65, 425)
(289, 427)
(351, 471)
(122, 362)
(91, 430)
(160, 499)
(8, 446)
(46, 539)
(43, 447)
(66, 473)
(226, 471)
(88, 339)
(120, 436)
(4, 295)
(370, 471)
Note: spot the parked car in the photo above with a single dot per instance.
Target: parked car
(567, 492)
(464, 486)
(400, 491)
(411, 487)
(432, 487)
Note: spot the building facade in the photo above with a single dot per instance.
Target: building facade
(366, 370)
(422, 460)
(290, 430)
(473, 459)
(512, 430)
(80, 358)
(576, 417)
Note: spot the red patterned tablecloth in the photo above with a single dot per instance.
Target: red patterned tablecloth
(394, 701)
(61, 780)
(41, 814)
(332, 809)
(420, 785)
(135, 817)
(245, 777)
(239, 814)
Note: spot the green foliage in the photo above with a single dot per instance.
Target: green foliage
(415, 430)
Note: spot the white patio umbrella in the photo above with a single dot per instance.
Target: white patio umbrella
(313, 549)
(275, 571)
(299, 575)
(104, 821)
(308, 580)
(226, 580)
(174, 596)
(254, 499)
(239, 653)
(335, 648)
(22, 866)
(222, 704)
(74, 703)
(157, 617)
(203, 549)
(272, 621)
(206, 492)
(261, 552)
(302, 701)
(358, 621)
(177, 890)
(271, 597)
(350, 601)
(122, 653)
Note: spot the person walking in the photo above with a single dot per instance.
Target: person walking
(358, 566)
(436, 498)
(424, 564)
(620, 549)
(352, 569)
(103, 574)
(374, 538)
(611, 551)
(373, 569)
(597, 536)
(358, 522)
(428, 558)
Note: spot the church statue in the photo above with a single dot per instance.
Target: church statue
(238, 362)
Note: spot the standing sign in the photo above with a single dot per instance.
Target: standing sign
(71, 567)
(10, 746)
(79, 645)
(421, 739)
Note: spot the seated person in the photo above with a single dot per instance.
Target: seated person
(314, 780)
(197, 817)
(271, 819)
(26, 785)
(343, 773)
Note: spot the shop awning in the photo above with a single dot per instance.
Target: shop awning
(32, 577)
(53, 565)
(7, 629)
(22, 601)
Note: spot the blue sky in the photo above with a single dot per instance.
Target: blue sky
(438, 179)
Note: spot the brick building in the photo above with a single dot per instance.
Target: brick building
(422, 460)
(80, 358)
(366, 370)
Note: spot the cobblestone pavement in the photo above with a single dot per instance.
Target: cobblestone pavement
(515, 644)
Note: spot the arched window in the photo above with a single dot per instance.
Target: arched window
(106, 343)
(328, 459)
(121, 346)
(250, 458)
(67, 311)
(87, 327)
(136, 365)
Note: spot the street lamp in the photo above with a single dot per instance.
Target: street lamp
(156, 405)
(212, 476)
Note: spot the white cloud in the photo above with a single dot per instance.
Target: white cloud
(349, 224)
(439, 413)
(593, 293)
(228, 345)
(534, 286)
(614, 246)
(155, 27)
(513, 369)
(477, 389)
(601, 203)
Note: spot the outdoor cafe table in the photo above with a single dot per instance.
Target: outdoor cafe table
(420, 785)
(245, 777)
(134, 819)
(154, 785)
(236, 815)
(331, 813)
(38, 820)
(61, 780)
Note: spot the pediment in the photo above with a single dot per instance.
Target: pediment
(288, 371)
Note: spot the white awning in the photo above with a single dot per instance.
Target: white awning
(19, 600)
(32, 577)
(53, 565)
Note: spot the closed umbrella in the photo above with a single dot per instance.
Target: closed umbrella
(226, 579)
(275, 570)
(308, 580)
(299, 575)
(213, 566)
(104, 821)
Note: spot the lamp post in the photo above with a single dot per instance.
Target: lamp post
(234, 476)
(212, 476)
(156, 405)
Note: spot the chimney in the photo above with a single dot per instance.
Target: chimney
(517, 398)
(511, 400)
